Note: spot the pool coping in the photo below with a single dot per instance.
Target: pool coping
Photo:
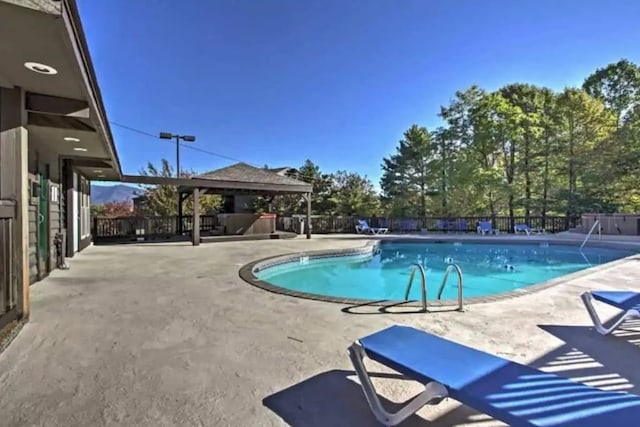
(247, 271)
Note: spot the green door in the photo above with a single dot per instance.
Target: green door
(43, 225)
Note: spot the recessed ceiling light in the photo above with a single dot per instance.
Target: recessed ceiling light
(97, 171)
(79, 149)
(71, 139)
(41, 68)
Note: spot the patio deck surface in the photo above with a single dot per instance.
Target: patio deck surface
(168, 334)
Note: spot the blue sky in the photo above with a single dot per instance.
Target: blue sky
(335, 81)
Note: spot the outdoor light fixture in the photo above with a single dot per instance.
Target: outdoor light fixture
(79, 149)
(41, 68)
(187, 138)
(71, 139)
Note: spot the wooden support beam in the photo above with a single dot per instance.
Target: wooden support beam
(180, 211)
(212, 185)
(308, 197)
(14, 184)
(70, 201)
(90, 162)
(195, 233)
(57, 105)
(60, 122)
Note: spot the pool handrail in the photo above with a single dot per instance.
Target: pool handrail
(458, 270)
(423, 281)
(593, 227)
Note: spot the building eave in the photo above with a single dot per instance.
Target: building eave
(71, 16)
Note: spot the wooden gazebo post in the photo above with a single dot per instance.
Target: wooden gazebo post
(308, 197)
(195, 232)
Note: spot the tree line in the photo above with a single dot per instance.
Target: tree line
(524, 150)
(520, 150)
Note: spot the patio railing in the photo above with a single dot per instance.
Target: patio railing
(346, 224)
(130, 229)
(125, 229)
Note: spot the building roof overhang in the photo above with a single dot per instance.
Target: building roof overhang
(65, 111)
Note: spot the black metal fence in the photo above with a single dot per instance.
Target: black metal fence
(125, 229)
(345, 224)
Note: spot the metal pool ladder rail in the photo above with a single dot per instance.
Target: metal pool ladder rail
(423, 282)
(595, 224)
(456, 268)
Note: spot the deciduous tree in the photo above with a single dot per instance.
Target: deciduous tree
(161, 200)
(353, 194)
(618, 86)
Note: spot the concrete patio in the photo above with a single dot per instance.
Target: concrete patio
(168, 334)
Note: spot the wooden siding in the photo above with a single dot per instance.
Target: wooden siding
(14, 300)
(33, 244)
(39, 161)
(55, 218)
(66, 205)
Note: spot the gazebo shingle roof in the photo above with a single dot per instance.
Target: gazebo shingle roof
(242, 172)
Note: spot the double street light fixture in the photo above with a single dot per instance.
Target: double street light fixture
(186, 138)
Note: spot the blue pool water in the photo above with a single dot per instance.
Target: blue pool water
(487, 268)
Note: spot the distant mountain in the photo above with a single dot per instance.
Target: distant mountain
(101, 194)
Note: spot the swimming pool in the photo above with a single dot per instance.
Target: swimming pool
(488, 269)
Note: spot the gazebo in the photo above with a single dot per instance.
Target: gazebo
(239, 179)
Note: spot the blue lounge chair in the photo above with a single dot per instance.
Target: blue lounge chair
(527, 230)
(485, 227)
(462, 225)
(628, 302)
(363, 228)
(513, 393)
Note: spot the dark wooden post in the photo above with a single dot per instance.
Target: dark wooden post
(179, 228)
(195, 232)
(308, 197)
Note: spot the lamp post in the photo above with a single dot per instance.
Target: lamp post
(187, 138)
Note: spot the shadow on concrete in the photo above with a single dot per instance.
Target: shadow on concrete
(609, 362)
(606, 362)
(72, 281)
(393, 307)
(134, 241)
(381, 306)
(330, 399)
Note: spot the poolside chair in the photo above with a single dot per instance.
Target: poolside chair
(516, 394)
(527, 230)
(485, 227)
(461, 225)
(628, 302)
(362, 227)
